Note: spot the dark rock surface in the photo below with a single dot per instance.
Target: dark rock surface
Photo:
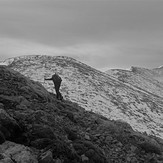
(36, 127)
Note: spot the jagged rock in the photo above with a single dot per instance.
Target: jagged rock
(71, 116)
(84, 158)
(41, 143)
(2, 138)
(42, 131)
(89, 150)
(58, 161)
(111, 127)
(6, 160)
(146, 143)
(18, 153)
(71, 134)
(87, 137)
(122, 125)
(108, 139)
(150, 145)
(90, 153)
(5, 132)
(46, 157)
(1, 106)
(1, 156)
(60, 148)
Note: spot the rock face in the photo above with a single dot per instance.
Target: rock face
(117, 98)
(37, 128)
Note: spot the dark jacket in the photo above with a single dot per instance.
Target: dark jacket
(55, 78)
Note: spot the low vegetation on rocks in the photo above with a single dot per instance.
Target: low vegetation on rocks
(35, 127)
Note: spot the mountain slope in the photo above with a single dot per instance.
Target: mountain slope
(37, 128)
(97, 91)
(148, 80)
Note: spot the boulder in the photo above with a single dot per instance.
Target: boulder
(1, 106)
(71, 134)
(8, 125)
(46, 157)
(91, 151)
(6, 160)
(150, 146)
(41, 143)
(41, 131)
(17, 153)
(2, 138)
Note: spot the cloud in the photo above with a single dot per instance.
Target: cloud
(104, 34)
(68, 22)
(14, 47)
(91, 54)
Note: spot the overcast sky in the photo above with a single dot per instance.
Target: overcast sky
(101, 33)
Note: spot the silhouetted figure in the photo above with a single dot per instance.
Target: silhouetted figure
(57, 83)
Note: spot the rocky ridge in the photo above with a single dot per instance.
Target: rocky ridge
(99, 92)
(37, 128)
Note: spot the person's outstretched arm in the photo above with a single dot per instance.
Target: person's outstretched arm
(48, 78)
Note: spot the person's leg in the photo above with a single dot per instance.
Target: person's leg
(57, 91)
(57, 86)
(60, 96)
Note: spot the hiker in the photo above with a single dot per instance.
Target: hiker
(57, 83)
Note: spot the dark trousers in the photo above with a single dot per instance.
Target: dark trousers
(57, 86)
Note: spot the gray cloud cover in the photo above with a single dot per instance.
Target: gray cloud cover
(102, 33)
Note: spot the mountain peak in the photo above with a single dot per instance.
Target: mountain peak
(33, 57)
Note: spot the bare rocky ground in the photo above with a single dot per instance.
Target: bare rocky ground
(36, 127)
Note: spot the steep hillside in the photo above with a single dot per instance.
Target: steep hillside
(37, 128)
(97, 91)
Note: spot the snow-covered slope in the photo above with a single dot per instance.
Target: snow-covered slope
(159, 74)
(97, 91)
(145, 79)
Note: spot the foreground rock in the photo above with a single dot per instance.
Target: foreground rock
(12, 152)
(9, 128)
(42, 129)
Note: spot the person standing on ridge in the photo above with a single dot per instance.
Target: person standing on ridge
(57, 83)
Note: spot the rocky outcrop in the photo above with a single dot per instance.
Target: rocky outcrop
(36, 127)
(14, 84)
